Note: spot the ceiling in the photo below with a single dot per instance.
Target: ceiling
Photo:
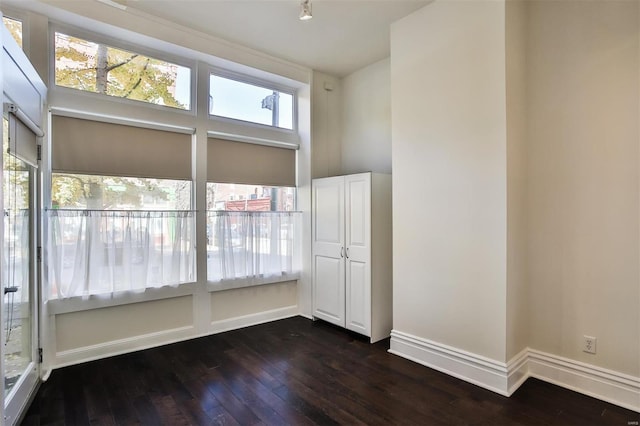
(342, 37)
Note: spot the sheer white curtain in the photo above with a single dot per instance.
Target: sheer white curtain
(252, 245)
(103, 252)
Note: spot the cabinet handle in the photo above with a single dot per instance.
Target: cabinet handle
(341, 251)
(347, 252)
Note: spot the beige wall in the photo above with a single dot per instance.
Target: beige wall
(449, 175)
(517, 301)
(249, 300)
(582, 59)
(351, 130)
(569, 73)
(101, 332)
(303, 162)
(326, 125)
(99, 326)
(366, 123)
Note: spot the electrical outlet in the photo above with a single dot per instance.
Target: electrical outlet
(589, 344)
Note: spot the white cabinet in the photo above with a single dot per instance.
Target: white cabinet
(351, 236)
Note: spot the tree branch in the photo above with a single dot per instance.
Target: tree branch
(135, 86)
(125, 62)
(107, 69)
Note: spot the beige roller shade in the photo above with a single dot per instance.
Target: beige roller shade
(22, 141)
(92, 147)
(246, 163)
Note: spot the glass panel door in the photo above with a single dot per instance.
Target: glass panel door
(18, 319)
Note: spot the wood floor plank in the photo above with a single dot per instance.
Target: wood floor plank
(239, 411)
(229, 375)
(293, 372)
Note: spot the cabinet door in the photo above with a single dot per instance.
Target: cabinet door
(358, 252)
(328, 250)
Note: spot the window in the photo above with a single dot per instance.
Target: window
(120, 218)
(256, 198)
(95, 67)
(83, 191)
(247, 102)
(15, 28)
(251, 228)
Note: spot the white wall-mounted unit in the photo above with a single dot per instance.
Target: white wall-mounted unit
(352, 269)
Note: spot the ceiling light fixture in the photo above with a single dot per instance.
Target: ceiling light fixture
(305, 10)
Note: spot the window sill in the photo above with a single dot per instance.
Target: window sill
(77, 304)
(214, 286)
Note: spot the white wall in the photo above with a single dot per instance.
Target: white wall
(583, 187)
(366, 122)
(449, 175)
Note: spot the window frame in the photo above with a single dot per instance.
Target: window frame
(258, 82)
(16, 15)
(94, 301)
(94, 37)
(71, 102)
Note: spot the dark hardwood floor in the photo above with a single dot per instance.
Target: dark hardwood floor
(295, 372)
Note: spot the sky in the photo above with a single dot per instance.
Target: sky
(235, 99)
(242, 101)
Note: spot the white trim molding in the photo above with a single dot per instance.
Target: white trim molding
(230, 284)
(518, 371)
(122, 346)
(472, 368)
(505, 378)
(253, 319)
(607, 385)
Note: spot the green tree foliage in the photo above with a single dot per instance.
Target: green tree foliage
(15, 28)
(102, 69)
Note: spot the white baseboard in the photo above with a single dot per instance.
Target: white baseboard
(122, 346)
(607, 385)
(165, 337)
(517, 371)
(469, 367)
(253, 319)
(505, 378)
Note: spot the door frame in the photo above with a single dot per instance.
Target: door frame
(16, 401)
(28, 93)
